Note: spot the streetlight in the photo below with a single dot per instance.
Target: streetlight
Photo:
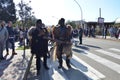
(0, 13)
(80, 10)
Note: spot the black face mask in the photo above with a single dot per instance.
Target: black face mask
(39, 27)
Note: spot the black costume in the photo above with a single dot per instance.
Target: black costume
(39, 47)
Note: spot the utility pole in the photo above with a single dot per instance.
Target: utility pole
(101, 23)
(100, 12)
(81, 13)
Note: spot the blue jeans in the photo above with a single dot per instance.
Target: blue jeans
(11, 41)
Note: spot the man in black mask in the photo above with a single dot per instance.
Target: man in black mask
(39, 45)
(62, 33)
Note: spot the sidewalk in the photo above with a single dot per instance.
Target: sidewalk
(14, 67)
(107, 38)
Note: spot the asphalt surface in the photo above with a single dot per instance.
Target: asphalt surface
(14, 67)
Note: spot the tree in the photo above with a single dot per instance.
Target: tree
(7, 10)
(25, 14)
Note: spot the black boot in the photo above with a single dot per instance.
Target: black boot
(60, 63)
(38, 72)
(38, 65)
(14, 53)
(45, 63)
(60, 66)
(46, 67)
(68, 63)
(2, 58)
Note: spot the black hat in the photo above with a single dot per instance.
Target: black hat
(39, 21)
(62, 20)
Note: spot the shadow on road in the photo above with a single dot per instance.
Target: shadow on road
(5, 63)
(78, 51)
(21, 66)
(44, 74)
(82, 47)
(79, 65)
(92, 46)
(74, 74)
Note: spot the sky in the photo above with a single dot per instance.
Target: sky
(50, 11)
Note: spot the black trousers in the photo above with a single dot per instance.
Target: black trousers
(80, 39)
(59, 56)
(38, 61)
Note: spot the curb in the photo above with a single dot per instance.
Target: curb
(28, 68)
(112, 39)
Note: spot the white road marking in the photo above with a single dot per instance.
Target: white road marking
(55, 73)
(86, 69)
(105, 62)
(114, 49)
(108, 53)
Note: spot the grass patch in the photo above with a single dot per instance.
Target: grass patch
(22, 48)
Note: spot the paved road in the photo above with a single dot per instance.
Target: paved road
(96, 59)
(102, 55)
